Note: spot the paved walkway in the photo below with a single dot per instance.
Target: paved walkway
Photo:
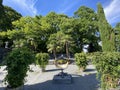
(43, 81)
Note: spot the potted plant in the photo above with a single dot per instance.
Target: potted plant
(42, 60)
(81, 61)
(17, 62)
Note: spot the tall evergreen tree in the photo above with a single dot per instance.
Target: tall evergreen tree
(106, 31)
(117, 36)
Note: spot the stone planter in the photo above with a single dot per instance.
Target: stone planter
(43, 69)
(82, 69)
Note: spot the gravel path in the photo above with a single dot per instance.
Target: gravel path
(37, 80)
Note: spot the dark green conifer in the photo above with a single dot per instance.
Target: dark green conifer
(106, 31)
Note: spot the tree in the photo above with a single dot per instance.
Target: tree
(17, 62)
(53, 44)
(2, 13)
(67, 41)
(106, 31)
(42, 60)
(1, 2)
(33, 32)
(3, 38)
(117, 36)
(86, 27)
(16, 38)
(53, 20)
(58, 42)
(8, 15)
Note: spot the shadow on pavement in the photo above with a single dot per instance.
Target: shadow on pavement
(51, 70)
(89, 70)
(87, 82)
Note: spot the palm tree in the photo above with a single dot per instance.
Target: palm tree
(57, 41)
(53, 44)
(52, 48)
(67, 41)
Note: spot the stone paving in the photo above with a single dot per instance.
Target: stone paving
(37, 80)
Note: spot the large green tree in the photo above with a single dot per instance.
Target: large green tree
(86, 28)
(7, 16)
(106, 31)
(32, 30)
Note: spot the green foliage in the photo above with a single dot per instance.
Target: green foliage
(86, 27)
(81, 60)
(61, 61)
(108, 67)
(33, 31)
(53, 44)
(2, 13)
(17, 37)
(17, 62)
(106, 32)
(3, 35)
(20, 43)
(1, 2)
(84, 12)
(59, 41)
(15, 34)
(1, 43)
(8, 15)
(42, 59)
(67, 41)
(117, 36)
(3, 38)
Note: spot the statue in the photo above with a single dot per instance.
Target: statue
(62, 77)
(6, 44)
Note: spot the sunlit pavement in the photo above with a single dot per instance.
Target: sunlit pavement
(36, 80)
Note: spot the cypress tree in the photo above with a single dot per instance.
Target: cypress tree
(106, 31)
(117, 36)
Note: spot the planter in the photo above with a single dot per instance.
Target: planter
(18, 88)
(81, 69)
(43, 69)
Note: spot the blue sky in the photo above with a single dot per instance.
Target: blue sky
(68, 7)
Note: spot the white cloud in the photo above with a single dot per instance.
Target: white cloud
(27, 7)
(66, 6)
(112, 12)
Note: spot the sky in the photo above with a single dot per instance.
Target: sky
(68, 7)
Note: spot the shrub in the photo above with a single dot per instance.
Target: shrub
(108, 67)
(17, 62)
(42, 59)
(81, 60)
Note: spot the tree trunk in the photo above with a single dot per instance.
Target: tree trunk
(43, 69)
(67, 51)
(54, 52)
